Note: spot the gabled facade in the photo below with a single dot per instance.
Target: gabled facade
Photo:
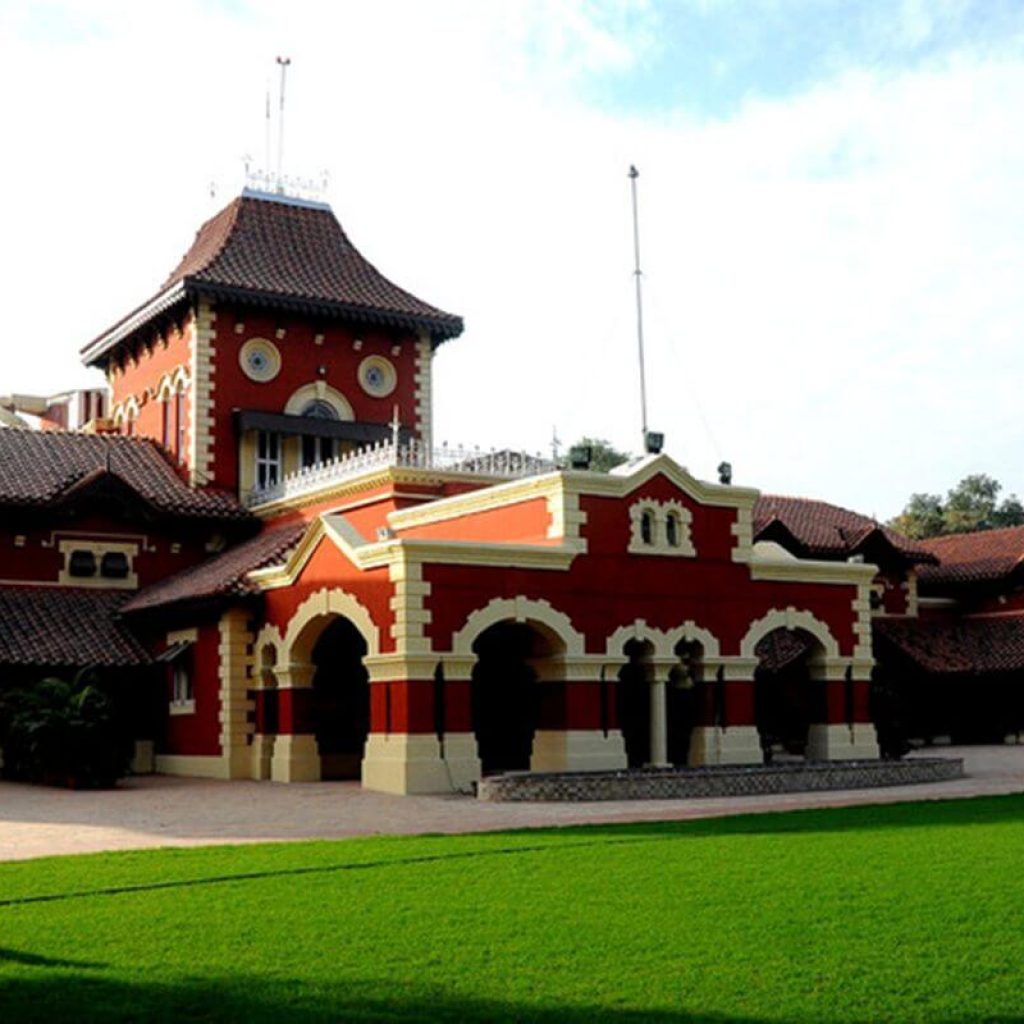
(313, 590)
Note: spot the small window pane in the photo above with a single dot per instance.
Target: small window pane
(82, 563)
(647, 528)
(114, 565)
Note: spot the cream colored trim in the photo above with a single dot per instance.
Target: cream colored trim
(423, 394)
(910, 585)
(234, 670)
(578, 750)
(183, 707)
(788, 618)
(295, 758)
(99, 549)
(518, 609)
(406, 763)
(711, 744)
(665, 642)
(388, 372)
(298, 644)
(861, 607)
(202, 346)
(407, 603)
(319, 391)
(841, 742)
(805, 570)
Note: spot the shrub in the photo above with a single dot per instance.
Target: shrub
(62, 733)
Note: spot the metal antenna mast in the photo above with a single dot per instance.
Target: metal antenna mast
(637, 276)
(283, 62)
(266, 139)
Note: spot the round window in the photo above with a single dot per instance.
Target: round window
(377, 376)
(260, 359)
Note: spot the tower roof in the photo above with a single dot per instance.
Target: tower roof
(286, 253)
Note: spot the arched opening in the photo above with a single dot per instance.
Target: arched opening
(633, 701)
(788, 693)
(315, 450)
(341, 698)
(682, 698)
(505, 693)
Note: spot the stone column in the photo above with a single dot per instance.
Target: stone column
(728, 731)
(296, 757)
(420, 738)
(659, 723)
(265, 735)
(847, 734)
(577, 731)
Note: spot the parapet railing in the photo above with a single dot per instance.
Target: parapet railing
(500, 464)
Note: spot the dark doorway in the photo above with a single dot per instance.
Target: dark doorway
(505, 695)
(786, 697)
(682, 695)
(633, 702)
(341, 700)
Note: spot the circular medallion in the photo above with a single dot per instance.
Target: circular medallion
(260, 360)
(377, 376)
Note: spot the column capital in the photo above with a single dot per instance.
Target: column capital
(295, 675)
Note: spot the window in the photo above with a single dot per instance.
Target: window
(268, 459)
(114, 565)
(647, 528)
(165, 419)
(180, 422)
(672, 530)
(82, 563)
(181, 680)
(316, 450)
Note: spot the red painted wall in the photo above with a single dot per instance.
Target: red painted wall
(526, 521)
(198, 733)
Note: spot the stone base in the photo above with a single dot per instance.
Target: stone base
(711, 744)
(143, 760)
(296, 758)
(406, 763)
(856, 742)
(261, 753)
(460, 755)
(577, 750)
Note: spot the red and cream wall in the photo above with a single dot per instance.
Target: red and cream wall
(566, 554)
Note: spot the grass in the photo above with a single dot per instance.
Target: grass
(911, 912)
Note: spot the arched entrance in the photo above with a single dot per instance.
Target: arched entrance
(341, 698)
(682, 699)
(633, 701)
(789, 694)
(505, 693)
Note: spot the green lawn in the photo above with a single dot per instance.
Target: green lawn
(913, 912)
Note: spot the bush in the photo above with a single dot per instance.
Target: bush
(62, 733)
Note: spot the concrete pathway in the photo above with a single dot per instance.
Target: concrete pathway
(153, 811)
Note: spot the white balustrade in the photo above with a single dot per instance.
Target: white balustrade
(413, 454)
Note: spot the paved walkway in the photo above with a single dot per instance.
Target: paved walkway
(155, 811)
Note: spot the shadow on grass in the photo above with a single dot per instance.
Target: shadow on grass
(867, 818)
(258, 999)
(14, 956)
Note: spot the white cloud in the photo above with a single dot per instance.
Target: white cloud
(833, 279)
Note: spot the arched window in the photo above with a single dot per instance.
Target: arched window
(672, 529)
(647, 527)
(180, 421)
(318, 409)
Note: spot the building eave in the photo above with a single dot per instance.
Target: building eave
(99, 347)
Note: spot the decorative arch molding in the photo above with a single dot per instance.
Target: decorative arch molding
(689, 632)
(788, 618)
(171, 383)
(319, 391)
(638, 630)
(518, 609)
(297, 645)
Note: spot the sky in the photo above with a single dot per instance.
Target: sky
(831, 201)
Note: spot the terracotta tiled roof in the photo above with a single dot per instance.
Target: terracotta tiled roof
(820, 530)
(223, 576)
(40, 468)
(962, 647)
(288, 254)
(983, 556)
(58, 627)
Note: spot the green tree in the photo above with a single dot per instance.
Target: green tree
(603, 456)
(923, 517)
(972, 505)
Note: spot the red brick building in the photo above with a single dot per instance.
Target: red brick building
(297, 584)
